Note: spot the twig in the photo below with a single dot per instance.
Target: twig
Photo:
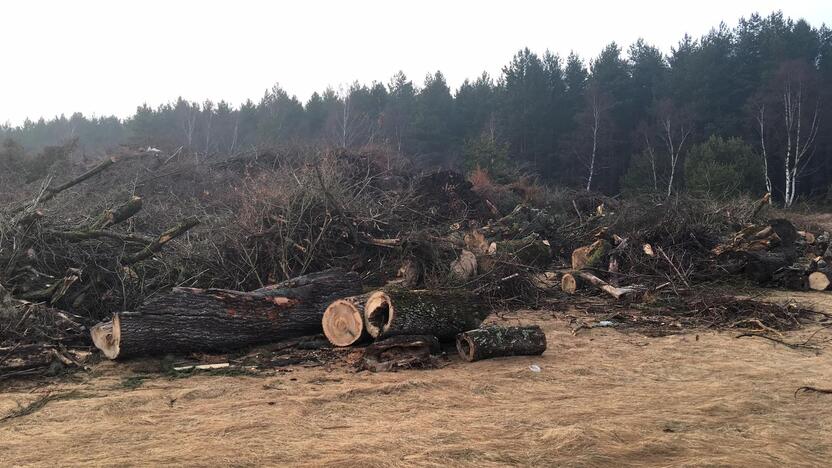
(812, 389)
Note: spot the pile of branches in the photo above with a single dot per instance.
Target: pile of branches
(49, 265)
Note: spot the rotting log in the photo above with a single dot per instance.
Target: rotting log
(441, 313)
(343, 321)
(400, 352)
(190, 319)
(491, 342)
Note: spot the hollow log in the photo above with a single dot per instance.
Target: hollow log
(491, 342)
(190, 319)
(441, 313)
(343, 321)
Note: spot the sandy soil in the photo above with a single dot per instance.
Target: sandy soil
(601, 398)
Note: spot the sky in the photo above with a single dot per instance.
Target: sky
(108, 57)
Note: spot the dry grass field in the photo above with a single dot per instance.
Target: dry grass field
(602, 398)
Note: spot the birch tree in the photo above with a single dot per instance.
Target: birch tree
(675, 126)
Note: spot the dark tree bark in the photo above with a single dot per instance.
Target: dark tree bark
(441, 313)
(491, 342)
(191, 319)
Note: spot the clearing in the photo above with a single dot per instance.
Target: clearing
(602, 397)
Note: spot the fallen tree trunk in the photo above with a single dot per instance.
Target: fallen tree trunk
(491, 342)
(190, 319)
(441, 313)
(343, 321)
(573, 280)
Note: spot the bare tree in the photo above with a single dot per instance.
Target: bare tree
(761, 126)
(675, 128)
(787, 115)
(597, 105)
(801, 130)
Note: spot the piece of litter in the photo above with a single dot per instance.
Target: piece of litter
(534, 368)
(202, 367)
(605, 323)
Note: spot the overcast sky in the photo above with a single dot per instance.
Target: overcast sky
(107, 57)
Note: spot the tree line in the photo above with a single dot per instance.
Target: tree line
(740, 109)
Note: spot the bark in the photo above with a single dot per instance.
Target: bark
(491, 342)
(343, 321)
(441, 313)
(189, 319)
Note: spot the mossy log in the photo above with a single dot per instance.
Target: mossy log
(189, 319)
(441, 313)
(343, 321)
(590, 256)
(491, 342)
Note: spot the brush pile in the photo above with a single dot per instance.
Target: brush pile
(179, 253)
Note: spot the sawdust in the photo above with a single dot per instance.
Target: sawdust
(601, 398)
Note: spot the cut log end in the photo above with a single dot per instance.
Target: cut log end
(343, 323)
(568, 283)
(819, 281)
(107, 337)
(379, 313)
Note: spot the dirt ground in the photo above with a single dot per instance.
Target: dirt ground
(601, 398)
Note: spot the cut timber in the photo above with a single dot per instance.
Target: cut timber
(570, 283)
(400, 352)
(189, 319)
(530, 250)
(589, 256)
(441, 313)
(343, 321)
(819, 281)
(574, 280)
(491, 342)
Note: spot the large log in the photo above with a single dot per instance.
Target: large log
(441, 313)
(491, 342)
(190, 319)
(343, 321)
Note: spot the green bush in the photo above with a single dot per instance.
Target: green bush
(723, 167)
